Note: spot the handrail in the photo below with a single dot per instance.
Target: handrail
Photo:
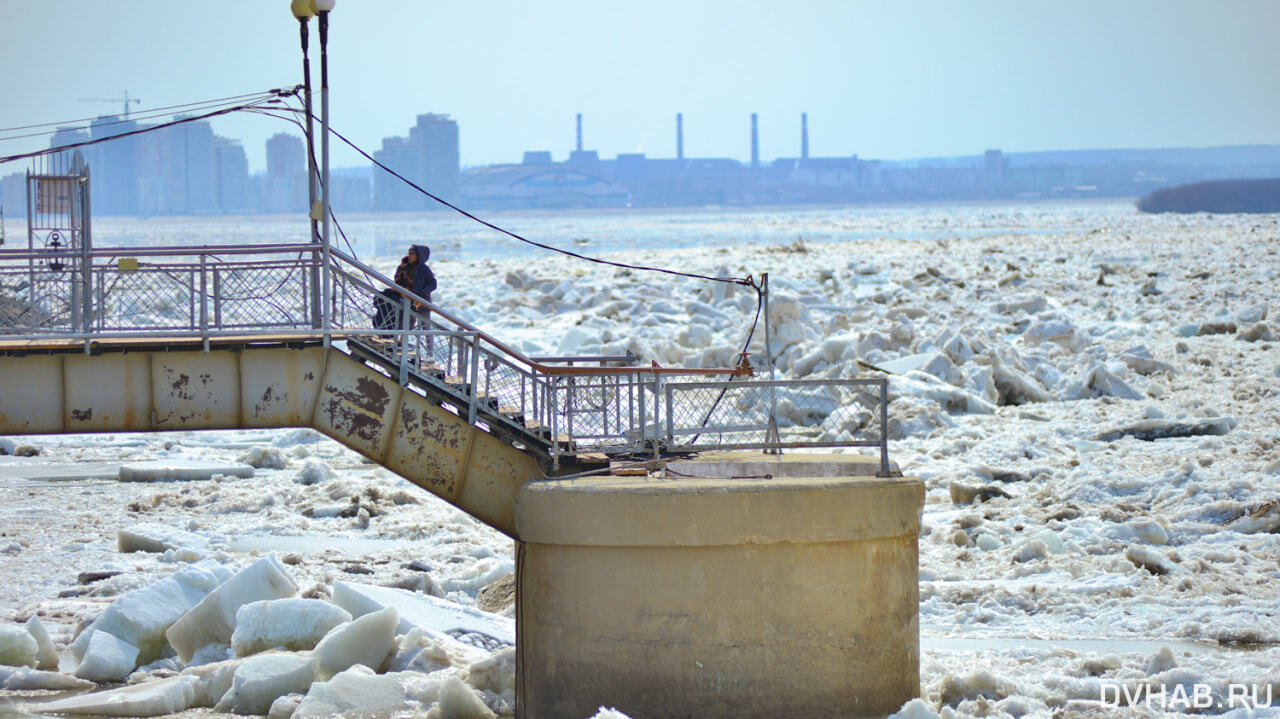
(180, 296)
(550, 366)
(23, 253)
(628, 357)
(520, 356)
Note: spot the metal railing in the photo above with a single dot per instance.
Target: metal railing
(552, 405)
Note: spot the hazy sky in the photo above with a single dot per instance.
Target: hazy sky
(881, 79)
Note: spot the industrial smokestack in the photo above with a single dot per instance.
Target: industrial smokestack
(755, 141)
(804, 136)
(679, 135)
(579, 132)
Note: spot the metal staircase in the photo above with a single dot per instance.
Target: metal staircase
(558, 411)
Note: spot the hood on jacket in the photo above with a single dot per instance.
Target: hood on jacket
(424, 280)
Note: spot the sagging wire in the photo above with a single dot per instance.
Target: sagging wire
(730, 280)
(135, 118)
(151, 111)
(273, 98)
(742, 357)
(332, 216)
(743, 365)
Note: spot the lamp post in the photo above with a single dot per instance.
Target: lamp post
(303, 11)
(322, 8)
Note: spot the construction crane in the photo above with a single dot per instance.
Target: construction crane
(126, 100)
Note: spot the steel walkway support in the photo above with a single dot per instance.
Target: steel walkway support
(265, 386)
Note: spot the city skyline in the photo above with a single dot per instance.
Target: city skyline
(883, 80)
(159, 168)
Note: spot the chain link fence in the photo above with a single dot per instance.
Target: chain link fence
(777, 414)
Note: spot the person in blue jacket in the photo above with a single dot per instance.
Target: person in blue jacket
(423, 279)
(414, 275)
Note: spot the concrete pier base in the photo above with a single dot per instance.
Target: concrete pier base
(719, 596)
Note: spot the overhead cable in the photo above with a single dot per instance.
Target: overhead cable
(747, 281)
(274, 98)
(218, 101)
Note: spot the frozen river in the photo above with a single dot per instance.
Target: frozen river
(1067, 557)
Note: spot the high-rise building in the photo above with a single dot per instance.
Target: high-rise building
(231, 175)
(188, 161)
(13, 193)
(994, 169)
(429, 157)
(285, 186)
(286, 155)
(114, 166)
(64, 136)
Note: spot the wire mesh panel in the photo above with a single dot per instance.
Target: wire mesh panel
(148, 298)
(242, 290)
(605, 411)
(776, 414)
(258, 295)
(39, 307)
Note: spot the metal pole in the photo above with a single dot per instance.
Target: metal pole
(671, 421)
(884, 428)
(403, 339)
(637, 380)
(204, 295)
(32, 220)
(311, 174)
(474, 381)
(555, 424)
(86, 244)
(324, 187)
(771, 434)
(217, 298)
(657, 414)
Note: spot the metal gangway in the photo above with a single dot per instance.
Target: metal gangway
(96, 339)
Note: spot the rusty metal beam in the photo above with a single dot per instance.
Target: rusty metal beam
(247, 387)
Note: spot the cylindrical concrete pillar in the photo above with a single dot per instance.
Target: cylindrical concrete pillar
(718, 597)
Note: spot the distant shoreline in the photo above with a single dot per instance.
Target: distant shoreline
(1216, 196)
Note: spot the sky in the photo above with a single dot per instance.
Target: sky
(883, 80)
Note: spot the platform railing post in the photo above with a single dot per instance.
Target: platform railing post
(771, 434)
(555, 423)
(884, 427)
(217, 298)
(657, 414)
(671, 420)
(204, 295)
(402, 340)
(569, 406)
(475, 378)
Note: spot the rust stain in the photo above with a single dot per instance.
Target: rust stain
(375, 395)
(408, 420)
(264, 405)
(433, 428)
(430, 450)
(180, 385)
(435, 479)
(358, 412)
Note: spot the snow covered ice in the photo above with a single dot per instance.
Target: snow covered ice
(1088, 393)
